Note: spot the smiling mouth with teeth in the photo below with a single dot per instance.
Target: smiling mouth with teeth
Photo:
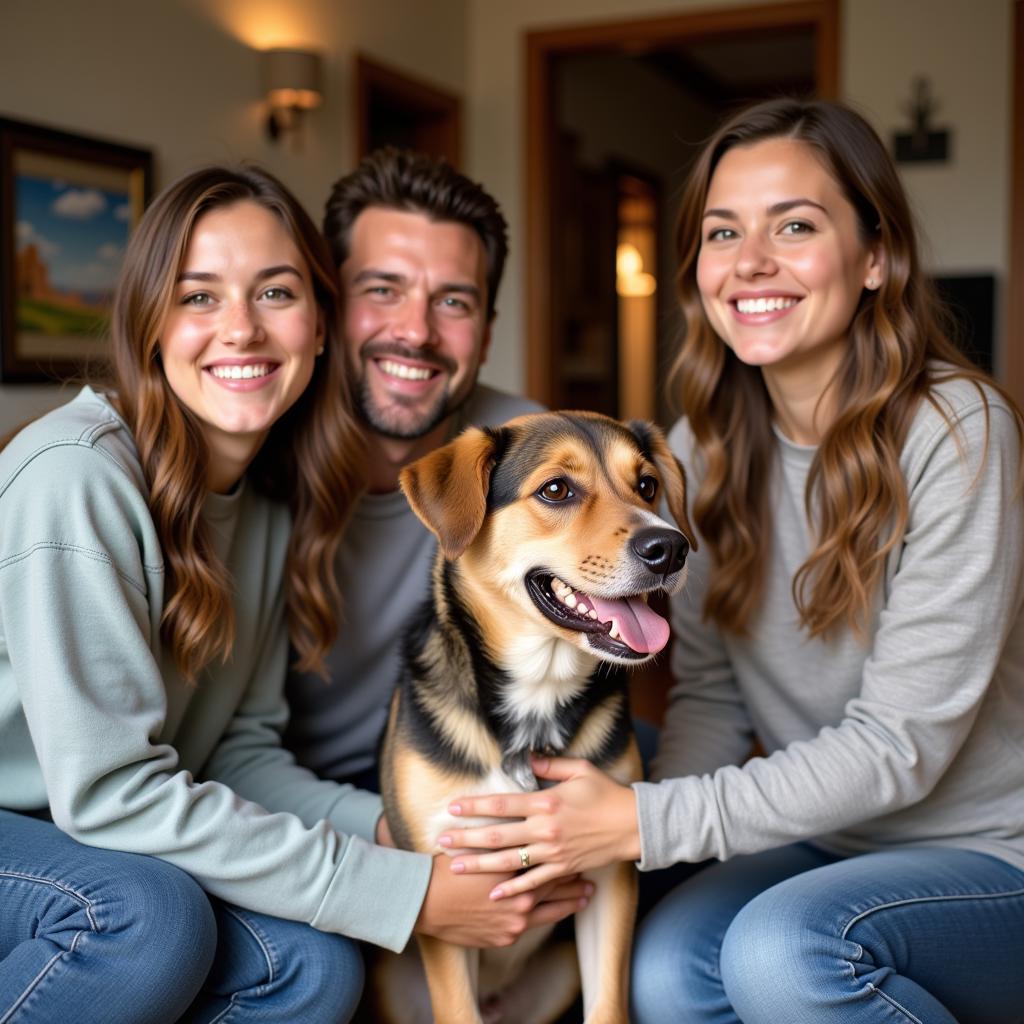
(766, 305)
(401, 370)
(247, 372)
(623, 626)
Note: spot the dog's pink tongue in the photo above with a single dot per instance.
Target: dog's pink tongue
(639, 627)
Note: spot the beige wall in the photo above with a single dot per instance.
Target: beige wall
(182, 77)
(963, 46)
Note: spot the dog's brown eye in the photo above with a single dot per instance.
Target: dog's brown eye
(647, 488)
(556, 490)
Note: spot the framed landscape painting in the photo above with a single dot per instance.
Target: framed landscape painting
(67, 207)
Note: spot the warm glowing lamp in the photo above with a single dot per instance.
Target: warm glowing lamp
(292, 80)
(628, 260)
(630, 279)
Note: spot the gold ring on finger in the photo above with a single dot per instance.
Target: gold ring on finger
(524, 857)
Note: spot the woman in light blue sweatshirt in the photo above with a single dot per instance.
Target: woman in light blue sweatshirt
(150, 581)
(856, 606)
(162, 546)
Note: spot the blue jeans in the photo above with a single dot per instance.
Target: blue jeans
(95, 936)
(917, 936)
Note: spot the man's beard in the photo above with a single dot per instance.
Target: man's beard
(400, 420)
(401, 423)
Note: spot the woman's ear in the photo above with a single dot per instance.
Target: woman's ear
(875, 272)
(321, 332)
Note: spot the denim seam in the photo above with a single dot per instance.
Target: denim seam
(264, 946)
(909, 902)
(223, 1015)
(34, 983)
(260, 940)
(892, 1002)
(20, 1001)
(84, 900)
(929, 899)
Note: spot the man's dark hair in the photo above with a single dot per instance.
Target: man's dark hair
(401, 179)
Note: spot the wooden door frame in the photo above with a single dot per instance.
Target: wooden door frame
(414, 93)
(542, 47)
(1013, 359)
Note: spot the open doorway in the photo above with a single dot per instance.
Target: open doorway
(395, 109)
(616, 112)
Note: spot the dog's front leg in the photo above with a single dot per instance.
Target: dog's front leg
(451, 977)
(604, 932)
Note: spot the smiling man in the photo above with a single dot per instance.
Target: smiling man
(420, 251)
(417, 326)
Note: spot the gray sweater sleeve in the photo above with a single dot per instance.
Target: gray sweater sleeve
(950, 604)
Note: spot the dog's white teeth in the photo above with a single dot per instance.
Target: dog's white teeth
(614, 631)
(568, 597)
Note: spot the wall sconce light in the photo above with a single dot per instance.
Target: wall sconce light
(292, 79)
(630, 279)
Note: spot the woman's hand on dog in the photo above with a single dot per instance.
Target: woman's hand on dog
(462, 911)
(587, 821)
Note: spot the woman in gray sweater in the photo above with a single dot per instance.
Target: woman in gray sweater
(855, 607)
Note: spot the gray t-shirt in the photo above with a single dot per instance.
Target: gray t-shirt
(384, 571)
(913, 737)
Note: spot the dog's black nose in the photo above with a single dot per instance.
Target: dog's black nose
(662, 551)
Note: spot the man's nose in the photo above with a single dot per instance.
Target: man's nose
(413, 322)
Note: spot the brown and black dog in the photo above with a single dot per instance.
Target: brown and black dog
(549, 543)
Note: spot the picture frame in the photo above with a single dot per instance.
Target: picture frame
(68, 204)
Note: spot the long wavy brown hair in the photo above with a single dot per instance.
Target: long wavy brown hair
(312, 458)
(899, 347)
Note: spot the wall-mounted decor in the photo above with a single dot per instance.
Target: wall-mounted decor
(294, 84)
(924, 142)
(67, 206)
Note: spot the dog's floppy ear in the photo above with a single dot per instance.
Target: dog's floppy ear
(447, 489)
(655, 447)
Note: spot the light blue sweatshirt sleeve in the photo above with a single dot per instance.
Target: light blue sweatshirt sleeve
(82, 670)
(251, 759)
(381, 889)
